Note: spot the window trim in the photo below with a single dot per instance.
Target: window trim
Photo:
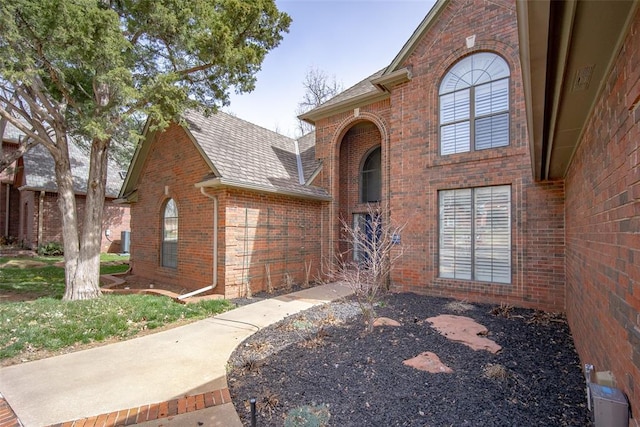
(365, 158)
(473, 238)
(165, 261)
(472, 119)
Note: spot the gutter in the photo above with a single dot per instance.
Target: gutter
(219, 182)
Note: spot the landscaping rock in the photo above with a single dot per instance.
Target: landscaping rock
(429, 362)
(385, 321)
(464, 330)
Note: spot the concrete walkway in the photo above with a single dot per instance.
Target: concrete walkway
(180, 368)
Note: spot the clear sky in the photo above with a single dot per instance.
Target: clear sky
(348, 39)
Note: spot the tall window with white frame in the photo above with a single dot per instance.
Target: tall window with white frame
(170, 235)
(475, 234)
(474, 104)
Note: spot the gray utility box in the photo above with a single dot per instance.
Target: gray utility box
(609, 405)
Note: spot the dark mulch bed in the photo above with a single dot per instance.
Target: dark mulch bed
(322, 358)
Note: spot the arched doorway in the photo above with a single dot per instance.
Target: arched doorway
(360, 177)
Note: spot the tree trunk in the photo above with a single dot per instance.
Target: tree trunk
(82, 255)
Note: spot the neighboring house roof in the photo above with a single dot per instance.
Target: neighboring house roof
(39, 171)
(244, 155)
(377, 86)
(11, 133)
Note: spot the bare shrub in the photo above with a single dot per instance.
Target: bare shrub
(287, 282)
(250, 364)
(543, 318)
(366, 270)
(267, 272)
(459, 306)
(259, 347)
(503, 310)
(496, 371)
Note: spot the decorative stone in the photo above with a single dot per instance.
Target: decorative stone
(465, 330)
(385, 321)
(429, 362)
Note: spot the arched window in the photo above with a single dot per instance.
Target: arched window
(474, 104)
(170, 235)
(371, 178)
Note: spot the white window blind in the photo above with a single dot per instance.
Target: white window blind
(474, 105)
(475, 234)
(455, 234)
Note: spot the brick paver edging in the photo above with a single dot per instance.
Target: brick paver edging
(153, 411)
(8, 418)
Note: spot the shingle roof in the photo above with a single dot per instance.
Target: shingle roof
(39, 171)
(363, 87)
(307, 147)
(246, 154)
(11, 133)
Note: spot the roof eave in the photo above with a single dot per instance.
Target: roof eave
(137, 162)
(346, 105)
(314, 174)
(558, 42)
(387, 81)
(222, 183)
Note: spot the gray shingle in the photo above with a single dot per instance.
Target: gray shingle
(39, 171)
(360, 88)
(246, 154)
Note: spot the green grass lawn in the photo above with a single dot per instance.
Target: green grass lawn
(40, 276)
(50, 324)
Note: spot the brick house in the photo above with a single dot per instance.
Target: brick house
(222, 202)
(29, 211)
(504, 134)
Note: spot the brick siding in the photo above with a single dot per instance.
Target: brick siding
(171, 169)
(603, 227)
(413, 171)
(260, 236)
(269, 238)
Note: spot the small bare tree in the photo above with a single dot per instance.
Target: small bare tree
(319, 88)
(375, 250)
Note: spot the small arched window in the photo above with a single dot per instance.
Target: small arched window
(371, 178)
(170, 235)
(474, 104)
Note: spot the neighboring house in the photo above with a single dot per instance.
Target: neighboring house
(9, 196)
(504, 134)
(30, 199)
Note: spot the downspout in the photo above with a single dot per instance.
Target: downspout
(215, 248)
(40, 216)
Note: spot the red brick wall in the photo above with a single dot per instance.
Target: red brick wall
(269, 237)
(13, 210)
(603, 227)
(254, 229)
(116, 218)
(28, 219)
(6, 185)
(172, 167)
(417, 171)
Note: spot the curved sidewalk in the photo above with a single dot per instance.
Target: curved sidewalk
(178, 371)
